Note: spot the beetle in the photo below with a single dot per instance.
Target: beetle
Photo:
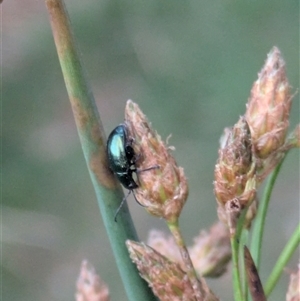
(121, 156)
(122, 159)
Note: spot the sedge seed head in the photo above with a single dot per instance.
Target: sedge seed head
(163, 190)
(167, 280)
(269, 106)
(165, 245)
(89, 285)
(293, 139)
(211, 251)
(293, 293)
(235, 169)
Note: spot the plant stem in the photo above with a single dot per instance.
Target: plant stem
(243, 242)
(258, 227)
(200, 287)
(92, 137)
(284, 257)
(237, 241)
(237, 285)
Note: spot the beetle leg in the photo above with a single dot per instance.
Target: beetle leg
(121, 205)
(137, 199)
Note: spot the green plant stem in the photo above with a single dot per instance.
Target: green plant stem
(237, 285)
(191, 273)
(243, 242)
(200, 287)
(238, 240)
(284, 257)
(92, 137)
(258, 227)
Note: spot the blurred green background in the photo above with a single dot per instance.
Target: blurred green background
(189, 65)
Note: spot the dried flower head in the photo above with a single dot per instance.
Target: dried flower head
(167, 280)
(235, 178)
(165, 245)
(163, 191)
(251, 213)
(293, 139)
(235, 170)
(269, 106)
(211, 251)
(89, 285)
(293, 293)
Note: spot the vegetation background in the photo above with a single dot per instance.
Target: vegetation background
(189, 65)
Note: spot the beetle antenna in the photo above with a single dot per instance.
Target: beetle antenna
(142, 170)
(148, 168)
(122, 203)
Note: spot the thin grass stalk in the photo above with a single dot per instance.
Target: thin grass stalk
(259, 224)
(93, 141)
(283, 259)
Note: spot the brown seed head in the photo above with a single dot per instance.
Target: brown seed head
(269, 106)
(211, 251)
(235, 170)
(293, 139)
(163, 191)
(166, 278)
(165, 245)
(89, 285)
(251, 213)
(293, 293)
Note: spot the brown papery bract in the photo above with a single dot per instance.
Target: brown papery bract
(162, 190)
